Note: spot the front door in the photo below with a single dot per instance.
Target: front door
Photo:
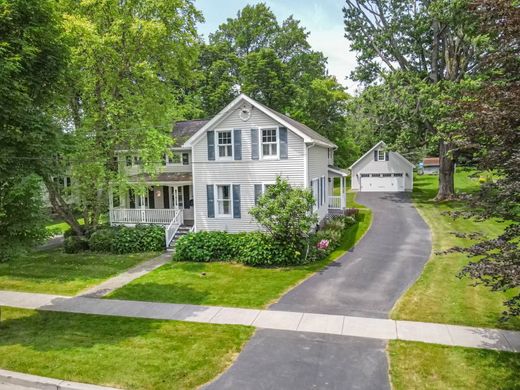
(180, 197)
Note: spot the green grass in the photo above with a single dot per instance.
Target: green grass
(122, 352)
(438, 295)
(229, 284)
(60, 227)
(427, 366)
(55, 272)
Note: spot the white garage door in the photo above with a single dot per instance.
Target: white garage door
(382, 182)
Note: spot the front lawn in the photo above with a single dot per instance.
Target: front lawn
(226, 284)
(55, 272)
(121, 352)
(429, 366)
(438, 295)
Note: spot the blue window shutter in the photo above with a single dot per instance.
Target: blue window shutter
(236, 200)
(283, 143)
(375, 155)
(211, 201)
(254, 144)
(387, 156)
(258, 192)
(211, 145)
(237, 141)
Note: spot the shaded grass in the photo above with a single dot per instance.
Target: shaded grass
(438, 295)
(428, 366)
(52, 271)
(229, 284)
(115, 351)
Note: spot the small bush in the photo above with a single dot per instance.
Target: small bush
(75, 244)
(353, 212)
(207, 246)
(102, 240)
(142, 238)
(260, 249)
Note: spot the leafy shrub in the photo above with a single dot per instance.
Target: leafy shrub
(261, 250)
(142, 238)
(336, 223)
(102, 240)
(332, 235)
(207, 246)
(75, 244)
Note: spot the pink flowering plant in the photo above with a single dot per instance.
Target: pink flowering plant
(323, 244)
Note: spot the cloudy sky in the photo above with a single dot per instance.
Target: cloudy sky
(322, 18)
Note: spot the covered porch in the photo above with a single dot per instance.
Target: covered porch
(169, 197)
(337, 201)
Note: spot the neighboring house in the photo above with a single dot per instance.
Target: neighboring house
(381, 170)
(224, 164)
(430, 165)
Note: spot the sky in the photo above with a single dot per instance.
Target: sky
(322, 18)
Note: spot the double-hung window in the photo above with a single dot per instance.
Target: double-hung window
(270, 143)
(225, 144)
(224, 200)
(381, 155)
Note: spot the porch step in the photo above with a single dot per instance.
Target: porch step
(182, 231)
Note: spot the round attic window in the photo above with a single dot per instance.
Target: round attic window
(245, 113)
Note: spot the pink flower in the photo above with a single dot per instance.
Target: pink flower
(323, 244)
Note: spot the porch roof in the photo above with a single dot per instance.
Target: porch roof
(162, 177)
(337, 172)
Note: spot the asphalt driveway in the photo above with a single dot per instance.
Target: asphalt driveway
(365, 282)
(368, 280)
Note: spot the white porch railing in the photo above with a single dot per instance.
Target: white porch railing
(132, 216)
(174, 225)
(335, 202)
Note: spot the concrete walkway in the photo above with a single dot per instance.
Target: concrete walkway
(373, 328)
(126, 277)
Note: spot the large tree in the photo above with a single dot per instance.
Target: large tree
(489, 120)
(31, 61)
(273, 63)
(424, 46)
(131, 62)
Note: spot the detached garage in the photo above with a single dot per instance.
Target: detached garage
(381, 170)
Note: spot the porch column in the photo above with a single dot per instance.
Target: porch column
(110, 205)
(143, 208)
(342, 192)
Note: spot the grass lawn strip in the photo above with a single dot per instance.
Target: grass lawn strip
(428, 366)
(227, 284)
(113, 351)
(55, 272)
(438, 295)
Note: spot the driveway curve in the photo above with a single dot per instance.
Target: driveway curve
(370, 278)
(366, 282)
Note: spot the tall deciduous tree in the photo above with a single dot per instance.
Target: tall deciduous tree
(31, 61)
(130, 63)
(431, 43)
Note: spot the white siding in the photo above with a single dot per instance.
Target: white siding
(394, 165)
(317, 163)
(246, 172)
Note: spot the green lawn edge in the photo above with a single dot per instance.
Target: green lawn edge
(132, 353)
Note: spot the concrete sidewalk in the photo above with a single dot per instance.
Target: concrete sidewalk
(374, 328)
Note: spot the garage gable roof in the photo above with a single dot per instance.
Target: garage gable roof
(379, 144)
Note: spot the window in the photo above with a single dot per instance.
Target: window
(387, 175)
(315, 191)
(381, 155)
(269, 143)
(224, 200)
(185, 159)
(375, 175)
(128, 161)
(398, 175)
(137, 160)
(173, 159)
(225, 144)
(365, 175)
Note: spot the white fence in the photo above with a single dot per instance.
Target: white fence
(335, 202)
(132, 216)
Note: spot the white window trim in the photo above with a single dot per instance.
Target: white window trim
(379, 156)
(267, 183)
(177, 164)
(217, 155)
(231, 199)
(261, 144)
(315, 186)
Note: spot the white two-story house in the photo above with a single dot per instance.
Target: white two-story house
(222, 165)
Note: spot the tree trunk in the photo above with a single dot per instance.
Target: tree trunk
(61, 207)
(446, 172)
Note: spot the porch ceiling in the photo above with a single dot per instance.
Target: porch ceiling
(162, 177)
